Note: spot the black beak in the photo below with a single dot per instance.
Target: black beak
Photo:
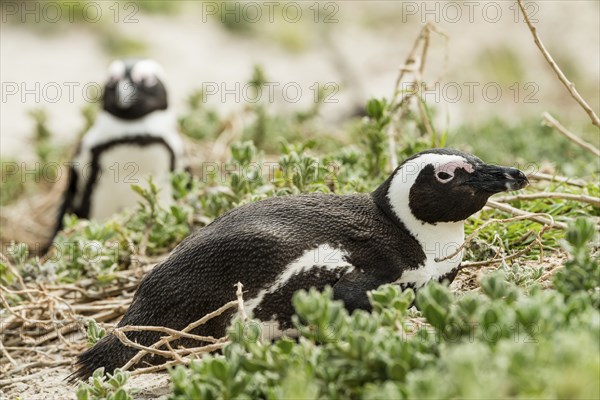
(495, 179)
(125, 93)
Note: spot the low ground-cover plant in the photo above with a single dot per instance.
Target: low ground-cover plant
(158, 229)
(101, 387)
(502, 342)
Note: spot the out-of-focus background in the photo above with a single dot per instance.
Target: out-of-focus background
(494, 88)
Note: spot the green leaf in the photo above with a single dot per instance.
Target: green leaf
(219, 370)
(375, 108)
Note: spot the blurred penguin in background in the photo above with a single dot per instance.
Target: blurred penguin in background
(133, 138)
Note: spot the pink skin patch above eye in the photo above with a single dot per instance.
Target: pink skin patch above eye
(450, 167)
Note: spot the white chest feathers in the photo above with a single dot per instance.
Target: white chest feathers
(122, 166)
(438, 242)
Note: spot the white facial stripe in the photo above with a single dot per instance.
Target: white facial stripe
(147, 70)
(407, 175)
(323, 257)
(116, 70)
(437, 241)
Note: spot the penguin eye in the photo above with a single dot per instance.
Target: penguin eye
(444, 176)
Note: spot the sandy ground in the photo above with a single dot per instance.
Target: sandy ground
(49, 384)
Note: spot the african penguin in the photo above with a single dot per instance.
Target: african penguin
(398, 234)
(133, 138)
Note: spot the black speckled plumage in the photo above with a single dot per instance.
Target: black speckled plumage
(199, 276)
(254, 244)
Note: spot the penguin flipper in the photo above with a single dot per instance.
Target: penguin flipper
(352, 289)
(66, 205)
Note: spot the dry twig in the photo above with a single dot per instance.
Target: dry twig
(540, 176)
(595, 201)
(174, 336)
(16, 379)
(551, 121)
(527, 215)
(240, 300)
(47, 313)
(474, 234)
(15, 273)
(171, 332)
(414, 64)
(561, 76)
(177, 354)
(7, 354)
(496, 259)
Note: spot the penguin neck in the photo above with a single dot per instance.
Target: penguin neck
(155, 122)
(392, 197)
(437, 240)
(107, 128)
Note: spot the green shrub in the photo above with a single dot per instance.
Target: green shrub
(502, 342)
(156, 227)
(581, 272)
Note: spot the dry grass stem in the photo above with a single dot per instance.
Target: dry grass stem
(228, 132)
(475, 233)
(7, 354)
(537, 217)
(17, 379)
(595, 201)
(155, 368)
(540, 176)
(15, 273)
(503, 259)
(561, 76)
(123, 338)
(46, 314)
(414, 64)
(551, 121)
(240, 300)
(168, 331)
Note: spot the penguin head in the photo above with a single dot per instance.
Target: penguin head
(134, 88)
(444, 185)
